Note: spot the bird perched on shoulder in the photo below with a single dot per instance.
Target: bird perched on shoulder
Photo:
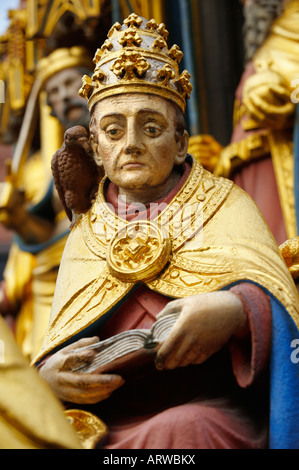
(76, 174)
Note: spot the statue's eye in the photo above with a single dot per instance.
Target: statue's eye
(152, 130)
(114, 131)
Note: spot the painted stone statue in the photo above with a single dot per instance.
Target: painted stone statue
(162, 235)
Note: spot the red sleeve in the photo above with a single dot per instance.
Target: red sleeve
(250, 353)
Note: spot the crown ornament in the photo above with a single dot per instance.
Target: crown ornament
(135, 59)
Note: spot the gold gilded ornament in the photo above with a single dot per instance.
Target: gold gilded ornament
(290, 252)
(89, 428)
(135, 59)
(129, 65)
(139, 251)
(133, 20)
(130, 39)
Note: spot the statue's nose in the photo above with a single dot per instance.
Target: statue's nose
(134, 142)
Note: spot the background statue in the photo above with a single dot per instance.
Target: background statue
(260, 157)
(134, 255)
(30, 204)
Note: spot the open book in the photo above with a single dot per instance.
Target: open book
(129, 349)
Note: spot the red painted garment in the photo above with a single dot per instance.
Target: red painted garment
(219, 404)
(222, 403)
(141, 211)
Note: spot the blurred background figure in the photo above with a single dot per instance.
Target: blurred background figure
(30, 205)
(261, 157)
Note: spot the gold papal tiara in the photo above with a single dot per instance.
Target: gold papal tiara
(135, 59)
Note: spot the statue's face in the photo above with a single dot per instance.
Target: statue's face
(62, 94)
(136, 140)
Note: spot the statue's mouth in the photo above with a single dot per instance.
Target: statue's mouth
(132, 165)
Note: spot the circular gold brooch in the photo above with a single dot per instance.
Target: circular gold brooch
(139, 251)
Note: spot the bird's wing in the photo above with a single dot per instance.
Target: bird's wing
(55, 166)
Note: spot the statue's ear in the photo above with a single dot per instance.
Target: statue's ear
(182, 148)
(95, 148)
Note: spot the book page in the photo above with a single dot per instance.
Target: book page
(161, 328)
(114, 347)
(127, 342)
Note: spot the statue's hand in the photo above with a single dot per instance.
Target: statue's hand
(205, 149)
(76, 387)
(206, 323)
(267, 99)
(225, 162)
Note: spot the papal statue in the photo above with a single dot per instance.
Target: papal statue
(159, 235)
